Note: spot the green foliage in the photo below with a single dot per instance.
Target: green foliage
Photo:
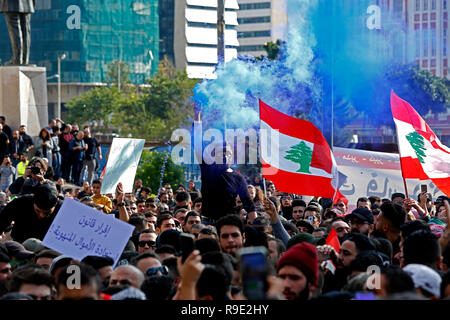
(97, 105)
(152, 113)
(273, 50)
(113, 73)
(149, 170)
(301, 154)
(163, 107)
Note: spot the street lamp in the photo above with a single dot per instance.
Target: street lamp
(58, 111)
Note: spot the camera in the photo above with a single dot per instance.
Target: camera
(35, 170)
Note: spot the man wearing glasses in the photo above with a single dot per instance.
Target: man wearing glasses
(147, 241)
(361, 221)
(146, 261)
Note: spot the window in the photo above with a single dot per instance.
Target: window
(253, 6)
(425, 5)
(254, 34)
(433, 42)
(417, 36)
(433, 4)
(208, 25)
(251, 48)
(444, 4)
(444, 43)
(425, 42)
(253, 20)
(417, 5)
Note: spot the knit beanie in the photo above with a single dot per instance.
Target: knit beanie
(304, 257)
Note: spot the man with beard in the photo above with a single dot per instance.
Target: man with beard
(28, 141)
(286, 206)
(354, 244)
(341, 227)
(390, 219)
(298, 268)
(220, 184)
(361, 221)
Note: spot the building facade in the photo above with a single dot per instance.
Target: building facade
(92, 34)
(428, 22)
(188, 34)
(260, 21)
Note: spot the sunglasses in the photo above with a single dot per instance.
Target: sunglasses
(148, 243)
(153, 271)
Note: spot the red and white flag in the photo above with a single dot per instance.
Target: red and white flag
(295, 156)
(422, 155)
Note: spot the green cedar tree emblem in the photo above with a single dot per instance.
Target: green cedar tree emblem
(417, 142)
(301, 154)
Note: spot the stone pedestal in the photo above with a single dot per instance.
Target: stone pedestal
(23, 97)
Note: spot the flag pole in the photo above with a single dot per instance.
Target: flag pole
(264, 179)
(401, 169)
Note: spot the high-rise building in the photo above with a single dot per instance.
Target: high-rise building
(428, 22)
(188, 33)
(260, 21)
(92, 34)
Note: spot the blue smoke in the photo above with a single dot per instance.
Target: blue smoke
(331, 57)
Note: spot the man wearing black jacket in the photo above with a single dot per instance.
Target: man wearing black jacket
(220, 184)
(32, 214)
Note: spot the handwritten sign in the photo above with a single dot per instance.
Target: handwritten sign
(372, 173)
(79, 231)
(122, 164)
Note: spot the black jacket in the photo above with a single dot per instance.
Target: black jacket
(26, 222)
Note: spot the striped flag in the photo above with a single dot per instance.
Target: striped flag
(295, 156)
(422, 155)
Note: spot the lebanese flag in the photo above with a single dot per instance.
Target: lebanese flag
(422, 155)
(295, 156)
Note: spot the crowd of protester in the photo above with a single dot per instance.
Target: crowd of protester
(316, 247)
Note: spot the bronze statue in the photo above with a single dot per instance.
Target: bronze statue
(18, 16)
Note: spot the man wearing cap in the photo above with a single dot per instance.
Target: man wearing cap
(361, 221)
(398, 198)
(298, 269)
(32, 214)
(426, 281)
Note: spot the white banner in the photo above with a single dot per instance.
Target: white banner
(371, 173)
(122, 164)
(79, 231)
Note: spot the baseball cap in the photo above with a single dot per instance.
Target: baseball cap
(60, 261)
(398, 194)
(363, 214)
(33, 244)
(425, 278)
(17, 250)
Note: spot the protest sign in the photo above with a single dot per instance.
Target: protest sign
(122, 164)
(371, 173)
(79, 231)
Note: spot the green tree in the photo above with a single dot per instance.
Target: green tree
(113, 73)
(95, 107)
(273, 50)
(417, 143)
(301, 154)
(163, 106)
(150, 167)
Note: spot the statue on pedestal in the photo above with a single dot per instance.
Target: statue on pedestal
(18, 16)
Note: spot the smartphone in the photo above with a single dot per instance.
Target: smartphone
(423, 188)
(35, 170)
(187, 245)
(253, 267)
